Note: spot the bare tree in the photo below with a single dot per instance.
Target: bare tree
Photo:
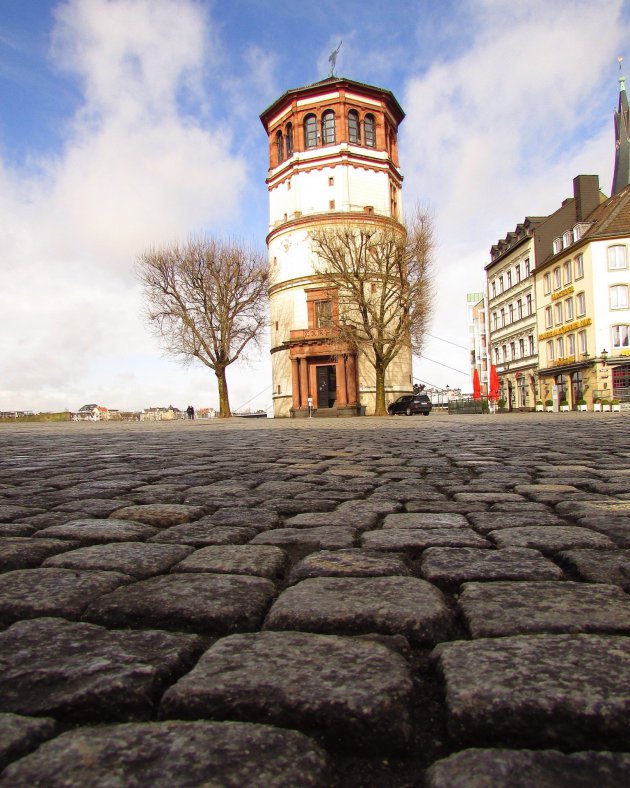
(206, 300)
(382, 274)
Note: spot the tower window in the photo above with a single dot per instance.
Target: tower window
(323, 314)
(328, 127)
(279, 147)
(289, 139)
(369, 131)
(354, 127)
(310, 131)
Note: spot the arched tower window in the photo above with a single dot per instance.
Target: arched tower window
(369, 131)
(289, 139)
(354, 127)
(279, 147)
(310, 131)
(328, 127)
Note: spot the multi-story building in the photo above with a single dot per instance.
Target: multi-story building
(333, 161)
(583, 292)
(512, 313)
(478, 339)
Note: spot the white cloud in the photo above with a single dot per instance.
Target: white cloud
(498, 131)
(137, 168)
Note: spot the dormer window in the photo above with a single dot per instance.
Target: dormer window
(310, 131)
(567, 239)
(369, 131)
(354, 127)
(557, 245)
(328, 127)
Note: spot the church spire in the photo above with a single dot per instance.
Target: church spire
(621, 178)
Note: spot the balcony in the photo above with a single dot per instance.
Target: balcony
(305, 334)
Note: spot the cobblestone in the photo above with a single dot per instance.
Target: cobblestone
(311, 602)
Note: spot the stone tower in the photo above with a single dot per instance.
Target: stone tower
(333, 159)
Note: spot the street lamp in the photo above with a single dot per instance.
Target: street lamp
(604, 356)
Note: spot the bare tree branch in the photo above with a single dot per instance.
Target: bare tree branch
(206, 300)
(383, 277)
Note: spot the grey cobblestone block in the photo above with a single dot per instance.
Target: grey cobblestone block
(599, 566)
(499, 609)
(610, 508)
(136, 559)
(414, 539)
(203, 602)
(550, 540)
(259, 519)
(20, 735)
(453, 507)
(94, 507)
(21, 552)
(538, 690)
(259, 560)
(79, 672)
(291, 506)
(487, 497)
(348, 563)
(166, 754)
(360, 519)
(615, 528)
(357, 605)
(425, 520)
(16, 529)
(452, 566)
(477, 768)
(47, 519)
(485, 522)
(93, 531)
(202, 534)
(324, 537)
(160, 515)
(10, 512)
(353, 694)
(31, 593)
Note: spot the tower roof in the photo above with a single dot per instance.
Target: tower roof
(621, 178)
(334, 81)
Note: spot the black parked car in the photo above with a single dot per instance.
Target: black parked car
(410, 404)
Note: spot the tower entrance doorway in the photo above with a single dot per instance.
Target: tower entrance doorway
(326, 386)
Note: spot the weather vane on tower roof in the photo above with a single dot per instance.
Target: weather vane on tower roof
(332, 59)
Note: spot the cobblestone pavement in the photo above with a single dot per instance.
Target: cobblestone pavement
(374, 602)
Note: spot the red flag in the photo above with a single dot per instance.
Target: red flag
(476, 384)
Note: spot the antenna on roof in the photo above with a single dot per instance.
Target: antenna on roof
(620, 61)
(332, 59)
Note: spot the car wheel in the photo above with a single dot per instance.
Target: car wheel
(409, 412)
(426, 414)
(391, 413)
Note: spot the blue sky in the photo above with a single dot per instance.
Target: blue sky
(126, 123)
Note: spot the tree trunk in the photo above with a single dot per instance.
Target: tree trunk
(224, 400)
(380, 409)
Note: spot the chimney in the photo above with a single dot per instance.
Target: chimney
(586, 193)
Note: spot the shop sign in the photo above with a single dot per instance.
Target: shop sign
(554, 332)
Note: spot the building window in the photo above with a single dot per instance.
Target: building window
(530, 340)
(496, 355)
(512, 350)
(331, 181)
(289, 140)
(548, 317)
(509, 279)
(493, 287)
(279, 147)
(557, 245)
(521, 348)
(310, 131)
(519, 308)
(580, 304)
(354, 127)
(495, 321)
(579, 266)
(505, 353)
(617, 258)
(618, 296)
(500, 284)
(369, 131)
(527, 268)
(620, 337)
(502, 317)
(528, 301)
(567, 238)
(323, 314)
(582, 342)
(517, 272)
(557, 278)
(511, 313)
(571, 344)
(331, 205)
(560, 346)
(547, 283)
(566, 272)
(550, 355)
(568, 309)
(558, 309)
(328, 127)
